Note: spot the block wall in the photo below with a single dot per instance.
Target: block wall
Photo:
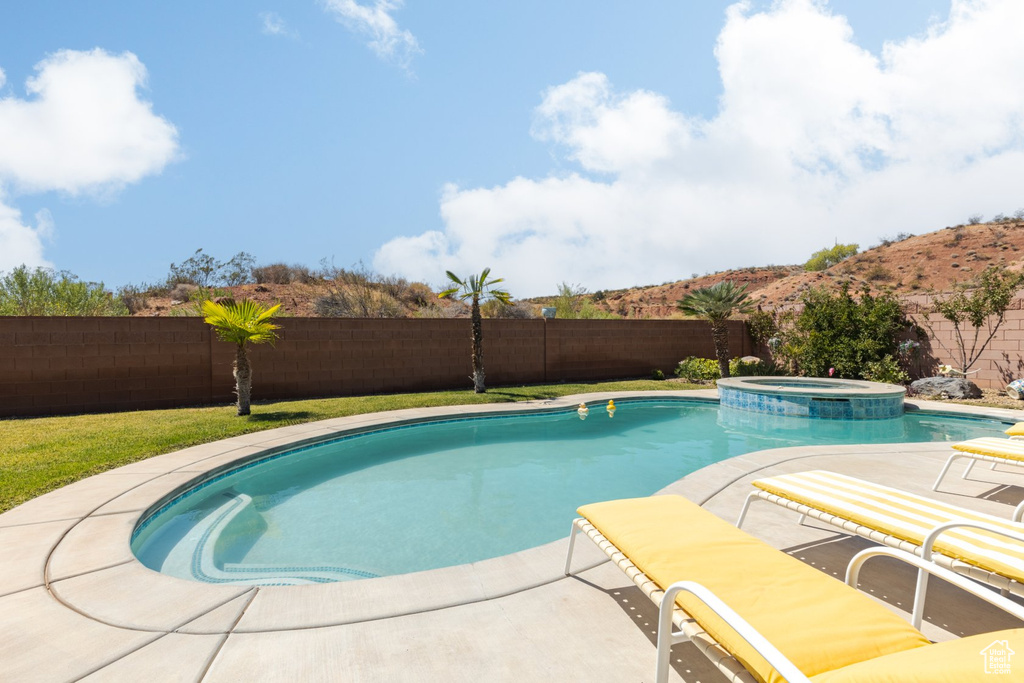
(76, 365)
(999, 364)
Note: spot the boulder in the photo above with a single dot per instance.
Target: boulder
(945, 387)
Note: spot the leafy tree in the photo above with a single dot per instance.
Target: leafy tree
(716, 304)
(238, 270)
(204, 270)
(43, 291)
(826, 258)
(476, 288)
(971, 307)
(838, 331)
(240, 323)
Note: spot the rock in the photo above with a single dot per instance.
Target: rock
(945, 387)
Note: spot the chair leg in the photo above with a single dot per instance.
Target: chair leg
(572, 543)
(945, 468)
(746, 506)
(920, 590)
(967, 470)
(665, 637)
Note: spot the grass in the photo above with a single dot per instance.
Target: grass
(42, 454)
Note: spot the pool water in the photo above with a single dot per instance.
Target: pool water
(446, 493)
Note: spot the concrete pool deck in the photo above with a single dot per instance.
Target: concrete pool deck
(76, 605)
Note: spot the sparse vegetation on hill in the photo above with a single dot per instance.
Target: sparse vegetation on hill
(907, 265)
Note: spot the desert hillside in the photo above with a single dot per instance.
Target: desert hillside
(932, 261)
(907, 265)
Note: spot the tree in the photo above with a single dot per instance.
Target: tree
(716, 304)
(476, 288)
(976, 305)
(826, 258)
(240, 323)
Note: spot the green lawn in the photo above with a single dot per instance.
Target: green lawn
(41, 454)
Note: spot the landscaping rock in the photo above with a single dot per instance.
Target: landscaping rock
(945, 387)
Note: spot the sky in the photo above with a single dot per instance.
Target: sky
(599, 143)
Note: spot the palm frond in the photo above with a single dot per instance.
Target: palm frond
(242, 322)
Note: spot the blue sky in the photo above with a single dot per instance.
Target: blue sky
(607, 144)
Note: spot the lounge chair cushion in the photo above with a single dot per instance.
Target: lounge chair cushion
(954, 661)
(1016, 430)
(672, 539)
(1008, 449)
(905, 516)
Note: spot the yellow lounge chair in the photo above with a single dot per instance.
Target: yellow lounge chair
(988, 449)
(984, 547)
(762, 615)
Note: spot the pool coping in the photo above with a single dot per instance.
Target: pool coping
(77, 538)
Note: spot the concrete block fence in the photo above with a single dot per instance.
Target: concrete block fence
(1000, 363)
(79, 365)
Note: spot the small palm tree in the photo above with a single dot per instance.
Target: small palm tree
(240, 323)
(476, 288)
(715, 304)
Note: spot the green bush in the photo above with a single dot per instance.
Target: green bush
(657, 374)
(762, 326)
(760, 368)
(826, 258)
(886, 370)
(695, 369)
(574, 303)
(834, 330)
(47, 292)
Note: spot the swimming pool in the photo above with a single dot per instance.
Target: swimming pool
(448, 492)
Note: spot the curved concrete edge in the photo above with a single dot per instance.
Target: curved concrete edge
(84, 560)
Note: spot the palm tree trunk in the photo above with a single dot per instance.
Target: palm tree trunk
(478, 348)
(243, 380)
(720, 333)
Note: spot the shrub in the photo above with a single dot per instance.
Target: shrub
(273, 274)
(519, 310)
(900, 237)
(837, 331)
(759, 368)
(974, 219)
(886, 370)
(695, 369)
(573, 302)
(133, 297)
(47, 292)
(358, 303)
(878, 273)
(762, 325)
(826, 258)
(657, 374)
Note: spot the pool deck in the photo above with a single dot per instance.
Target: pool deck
(76, 605)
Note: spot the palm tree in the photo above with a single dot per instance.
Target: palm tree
(240, 323)
(715, 304)
(476, 288)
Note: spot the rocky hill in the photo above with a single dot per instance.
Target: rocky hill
(912, 265)
(907, 265)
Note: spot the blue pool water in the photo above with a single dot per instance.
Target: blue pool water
(440, 494)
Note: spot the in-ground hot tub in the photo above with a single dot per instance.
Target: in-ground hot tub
(833, 399)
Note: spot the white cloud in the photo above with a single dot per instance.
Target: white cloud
(815, 139)
(374, 21)
(274, 25)
(82, 130)
(20, 243)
